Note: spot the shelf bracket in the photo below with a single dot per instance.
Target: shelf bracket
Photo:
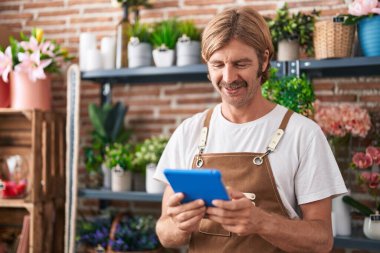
(106, 93)
(294, 68)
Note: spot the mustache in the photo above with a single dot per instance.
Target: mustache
(234, 85)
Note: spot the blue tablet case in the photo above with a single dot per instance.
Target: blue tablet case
(203, 184)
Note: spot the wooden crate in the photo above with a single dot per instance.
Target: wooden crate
(39, 137)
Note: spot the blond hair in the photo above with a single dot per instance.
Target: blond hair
(244, 24)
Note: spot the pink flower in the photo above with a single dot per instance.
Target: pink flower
(31, 64)
(371, 179)
(362, 160)
(6, 63)
(374, 152)
(31, 45)
(364, 7)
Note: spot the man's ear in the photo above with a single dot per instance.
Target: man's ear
(265, 60)
(208, 77)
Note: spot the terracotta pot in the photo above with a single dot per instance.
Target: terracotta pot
(4, 94)
(26, 94)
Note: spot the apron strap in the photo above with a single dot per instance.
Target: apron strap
(285, 120)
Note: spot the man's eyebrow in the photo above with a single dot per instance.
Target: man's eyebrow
(245, 59)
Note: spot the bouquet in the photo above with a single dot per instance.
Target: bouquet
(359, 9)
(34, 56)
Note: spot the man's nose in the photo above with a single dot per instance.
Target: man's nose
(229, 74)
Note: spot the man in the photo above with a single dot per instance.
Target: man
(281, 192)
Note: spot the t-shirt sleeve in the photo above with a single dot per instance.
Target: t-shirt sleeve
(318, 175)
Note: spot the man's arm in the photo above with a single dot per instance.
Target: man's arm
(178, 221)
(311, 234)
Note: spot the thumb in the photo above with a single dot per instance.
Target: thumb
(234, 194)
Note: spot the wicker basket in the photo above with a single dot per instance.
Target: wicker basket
(333, 39)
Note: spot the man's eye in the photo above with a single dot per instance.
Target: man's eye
(217, 65)
(241, 65)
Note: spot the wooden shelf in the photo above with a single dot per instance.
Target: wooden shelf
(15, 203)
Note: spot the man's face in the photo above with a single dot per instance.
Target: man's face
(235, 72)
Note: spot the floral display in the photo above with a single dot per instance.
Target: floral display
(94, 233)
(359, 9)
(338, 121)
(149, 151)
(366, 165)
(34, 55)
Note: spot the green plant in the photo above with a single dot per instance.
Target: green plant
(140, 31)
(165, 34)
(295, 93)
(135, 6)
(118, 154)
(358, 10)
(298, 26)
(108, 123)
(187, 28)
(149, 151)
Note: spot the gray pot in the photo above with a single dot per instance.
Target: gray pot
(139, 54)
(188, 52)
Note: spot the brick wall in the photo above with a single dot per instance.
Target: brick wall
(158, 109)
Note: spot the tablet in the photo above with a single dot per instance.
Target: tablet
(203, 184)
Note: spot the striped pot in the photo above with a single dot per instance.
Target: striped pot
(369, 35)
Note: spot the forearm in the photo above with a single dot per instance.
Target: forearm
(169, 235)
(296, 235)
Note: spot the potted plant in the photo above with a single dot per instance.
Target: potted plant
(295, 93)
(118, 158)
(289, 32)
(146, 157)
(164, 39)
(188, 45)
(108, 124)
(27, 62)
(93, 234)
(139, 47)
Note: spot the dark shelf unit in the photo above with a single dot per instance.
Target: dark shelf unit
(356, 241)
(104, 194)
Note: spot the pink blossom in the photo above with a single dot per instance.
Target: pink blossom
(31, 45)
(6, 63)
(31, 64)
(362, 160)
(374, 152)
(47, 48)
(364, 7)
(371, 179)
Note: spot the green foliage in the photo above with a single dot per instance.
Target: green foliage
(165, 34)
(188, 28)
(119, 154)
(364, 210)
(140, 31)
(148, 152)
(295, 93)
(296, 26)
(108, 123)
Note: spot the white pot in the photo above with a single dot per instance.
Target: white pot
(106, 177)
(288, 50)
(139, 54)
(152, 185)
(342, 216)
(163, 57)
(188, 52)
(371, 227)
(121, 180)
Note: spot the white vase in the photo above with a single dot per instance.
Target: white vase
(288, 50)
(106, 177)
(121, 180)
(188, 52)
(152, 185)
(371, 227)
(139, 54)
(342, 216)
(163, 57)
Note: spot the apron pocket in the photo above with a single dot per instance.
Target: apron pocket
(210, 227)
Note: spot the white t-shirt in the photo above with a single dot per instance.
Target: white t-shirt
(303, 165)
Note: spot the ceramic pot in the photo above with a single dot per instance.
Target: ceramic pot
(107, 176)
(153, 185)
(163, 57)
(4, 94)
(28, 94)
(139, 54)
(188, 52)
(121, 180)
(288, 50)
(371, 227)
(369, 35)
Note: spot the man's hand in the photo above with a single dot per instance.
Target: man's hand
(237, 216)
(187, 216)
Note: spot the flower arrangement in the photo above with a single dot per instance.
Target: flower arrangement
(368, 178)
(34, 55)
(119, 155)
(359, 9)
(149, 151)
(338, 121)
(135, 233)
(93, 234)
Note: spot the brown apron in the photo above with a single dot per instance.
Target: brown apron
(246, 172)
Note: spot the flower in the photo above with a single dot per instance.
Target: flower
(343, 119)
(34, 56)
(359, 9)
(94, 233)
(368, 175)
